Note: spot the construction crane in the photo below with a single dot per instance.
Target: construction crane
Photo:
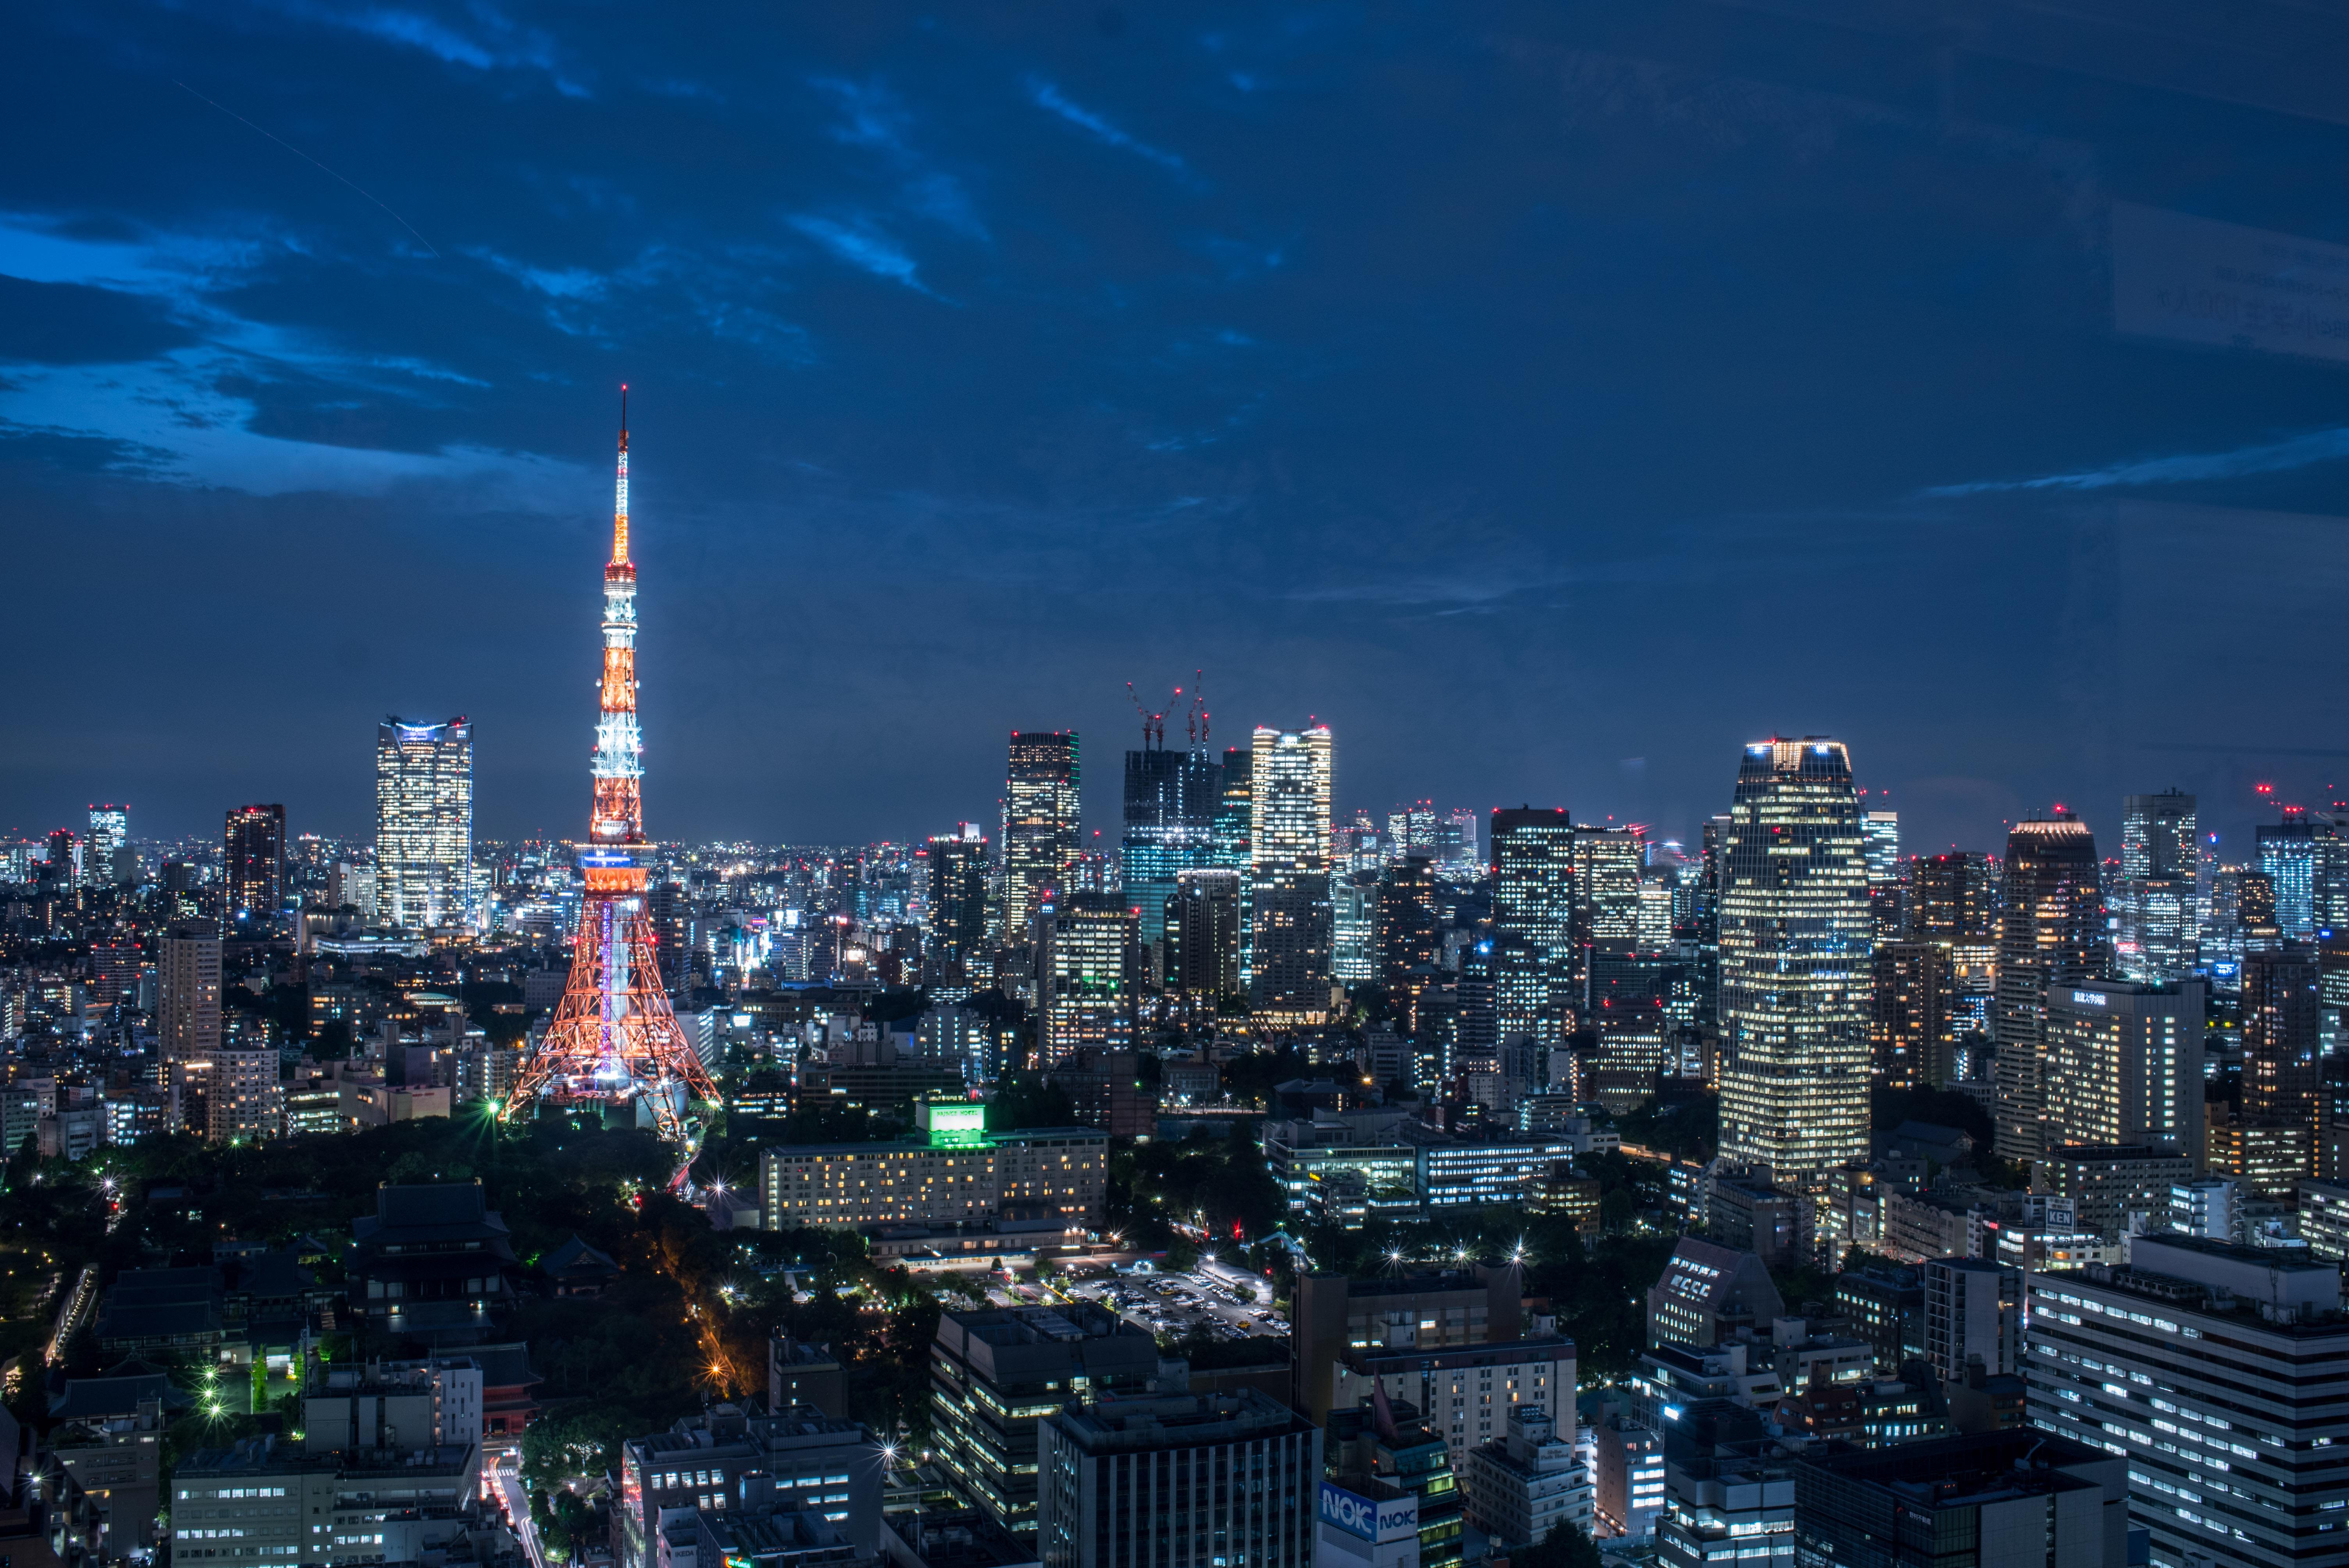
(1153, 725)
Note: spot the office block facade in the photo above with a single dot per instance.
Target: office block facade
(424, 823)
(1182, 1478)
(2200, 1365)
(1289, 926)
(1795, 941)
(1040, 824)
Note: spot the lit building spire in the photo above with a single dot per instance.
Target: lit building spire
(620, 498)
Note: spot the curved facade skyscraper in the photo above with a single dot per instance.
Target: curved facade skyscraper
(1796, 941)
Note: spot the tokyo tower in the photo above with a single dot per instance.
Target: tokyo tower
(614, 1038)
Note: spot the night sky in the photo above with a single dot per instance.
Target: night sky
(1550, 401)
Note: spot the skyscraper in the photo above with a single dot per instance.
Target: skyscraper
(958, 878)
(1533, 903)
(188, 970)
(1795, 939)
(106, 857)
(1040, 824)
(2283, 1071)
(1608, 864)
(423, 823)
(1202, 935)
(252, 860)
(1406, 918)
(1235, 819)
(2156, 901)
(1081, 995)
(1171, 799)
(2296, 862)
(1881, 832)
(1288, 837)
(2051, 934)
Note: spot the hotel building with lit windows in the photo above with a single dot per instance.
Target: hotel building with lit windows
(960, 1173)
(2123, 1064)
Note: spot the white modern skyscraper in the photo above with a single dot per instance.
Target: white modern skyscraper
(1796, 952)
(105, 854)
(2157, 901)
(1289, 871)
(424, 822)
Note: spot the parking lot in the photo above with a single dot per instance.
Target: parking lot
(1225, 1303)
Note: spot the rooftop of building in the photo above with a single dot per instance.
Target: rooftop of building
(2114, 1154)
(1964, 1471)
(115, 1393)
(2284, 1291)
(1434, 1284)
(924, 1145)
(732, 1427)
(1176, 1421)
(1549, 1346)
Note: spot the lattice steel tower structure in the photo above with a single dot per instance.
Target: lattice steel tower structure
(614, 1038)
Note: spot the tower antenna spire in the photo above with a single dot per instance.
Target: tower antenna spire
(620, 495)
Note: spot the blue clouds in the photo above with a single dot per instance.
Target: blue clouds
(862, 246)
(1048, 96)
(2184, 468)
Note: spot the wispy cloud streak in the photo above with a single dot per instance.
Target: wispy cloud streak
(1051, 99)
(2186, 467)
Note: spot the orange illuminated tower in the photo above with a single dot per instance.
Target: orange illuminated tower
(614, 1038)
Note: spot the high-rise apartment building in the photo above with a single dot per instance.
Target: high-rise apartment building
(1229, 851)
(1406, 918)
(252, 860)
(1202, 935)
(1881, 832)
(1533, 906)
(1171, 797)
(2124, 1065)
(1908, 1033)
(958, 904)
(1039, 825)
(424, 822)
(1288, 837)
(1797, 935)
(188, 970)
(2052, 933)
(106, 854)
(1082, 997)
(2282, 1066)
(1953, 899)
